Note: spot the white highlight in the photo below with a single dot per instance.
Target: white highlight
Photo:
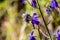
(22, 31)
(44, 34)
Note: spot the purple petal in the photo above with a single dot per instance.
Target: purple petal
(57, 34)
(53, 4)
(22, 1)
(34, 3)
(34, 14)
(32, 38)
(58, 38)
(35, 20)
(32, 33)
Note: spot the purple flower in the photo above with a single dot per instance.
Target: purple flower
(34, 3)
(58, 32)
(35, 19)
(22, 1)
(58, 38)
(53, 4)
(31, 37)
(32, 33)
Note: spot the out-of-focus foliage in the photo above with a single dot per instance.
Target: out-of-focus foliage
(44, 2)
(14, 26)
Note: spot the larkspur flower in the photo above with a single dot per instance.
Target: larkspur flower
(53, 4)
(58, 32)
(32, 33)
(35, 19)
(31, 37)
(34, 3)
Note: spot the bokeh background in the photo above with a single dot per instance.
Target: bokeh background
(14, 27)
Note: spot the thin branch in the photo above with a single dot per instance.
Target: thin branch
(44, 20)
(29, 3)
(44, 34)
(39, 32)
(48, 22)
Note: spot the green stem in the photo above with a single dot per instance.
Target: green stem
(44, 20)
(30, 4)
(39, 32)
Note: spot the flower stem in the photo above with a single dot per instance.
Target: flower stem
(39, 32)
(44, 20)
(30, 4)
